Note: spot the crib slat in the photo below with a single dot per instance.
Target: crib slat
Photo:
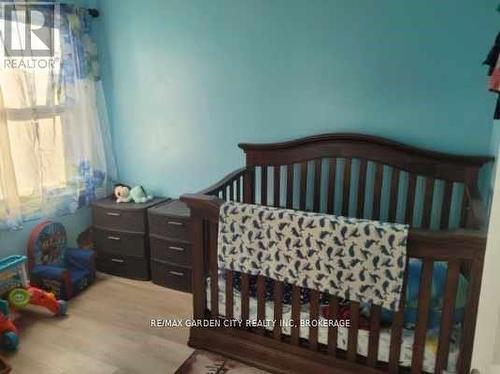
(469, 324)
(238, 189)
(295, 315)
(361, 189)
(317, 185)
(224, 192)
(254, 188)
(248, 186)
(373, 341)
(263, 185)
(314, 316)
(245, 297)
(229, 294)
(397, 328)
(352, 344)
(278, 308)
(231, 191)
(445, 208)
(393, 202)
(333, 330)
(332, 170)
(428, 195)
(450, 294)
(377, 190)
(261, 300)
(463, 209)
(347, 187)
(424, 298)
(276, 186)
(410, 198)
(214, 276)
(289, 186)
(303, 185)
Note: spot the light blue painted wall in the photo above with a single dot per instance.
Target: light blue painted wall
(15, 242)
(188, 79)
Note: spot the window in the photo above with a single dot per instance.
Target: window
(55, 146)
(34, 122)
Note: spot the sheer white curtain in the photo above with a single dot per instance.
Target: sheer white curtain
(55, 147)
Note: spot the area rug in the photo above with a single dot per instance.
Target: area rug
(203, 362)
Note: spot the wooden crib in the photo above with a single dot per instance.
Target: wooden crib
(358, 176)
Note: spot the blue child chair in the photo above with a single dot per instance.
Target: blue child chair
(55, 267)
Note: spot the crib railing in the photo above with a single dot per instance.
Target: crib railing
(367, 177)
(458, 249)
(228, 188)
(361, 186)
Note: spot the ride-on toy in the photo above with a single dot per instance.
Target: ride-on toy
(8, 331)
(17, 293)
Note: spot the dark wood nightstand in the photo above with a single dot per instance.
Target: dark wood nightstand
(121, 237)
(170, 245)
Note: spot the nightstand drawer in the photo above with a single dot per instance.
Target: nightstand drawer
(178, 253)
(115, 219)
(171, 276)
(169, 227)
(119, 243)
(170, 220)
(130, 267)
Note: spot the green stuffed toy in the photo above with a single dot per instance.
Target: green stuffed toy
(125, 194)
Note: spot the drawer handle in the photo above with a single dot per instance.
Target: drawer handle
(176, 273)
(113, 214)
(178, 249)
(175, 223)
(114, 238)
(120, 261)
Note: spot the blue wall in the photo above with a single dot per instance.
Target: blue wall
(186, 80)
(15, 242)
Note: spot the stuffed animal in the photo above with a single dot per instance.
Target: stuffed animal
(125, 194)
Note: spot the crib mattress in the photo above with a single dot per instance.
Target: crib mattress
(342, 335)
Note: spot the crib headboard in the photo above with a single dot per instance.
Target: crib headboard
(366, 177)
(360, 176)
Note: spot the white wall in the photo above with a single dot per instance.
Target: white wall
(486, 356)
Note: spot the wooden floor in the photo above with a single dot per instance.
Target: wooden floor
(107, 330)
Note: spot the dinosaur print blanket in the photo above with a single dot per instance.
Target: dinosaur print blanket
(359, 260)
